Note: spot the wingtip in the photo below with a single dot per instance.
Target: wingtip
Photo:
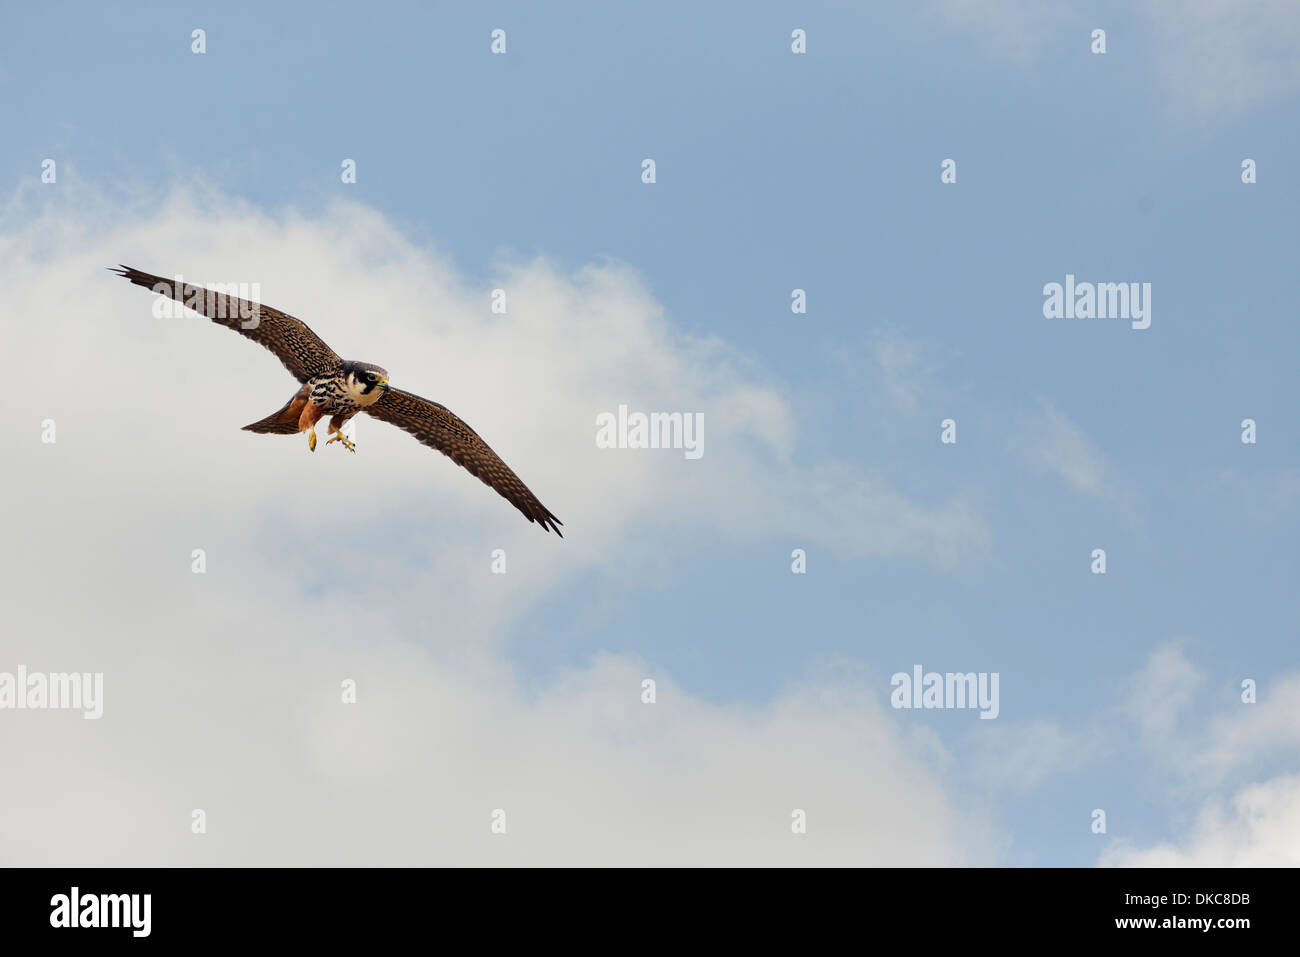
(548, 522)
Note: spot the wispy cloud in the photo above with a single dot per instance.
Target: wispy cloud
(1020, 756)
(1224, 55)
(904, 369)
(1013, 29)
(1160, 694)
(1056, 444)
(1212, 56)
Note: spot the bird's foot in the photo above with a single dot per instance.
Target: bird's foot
(311, 440)
(347, 442)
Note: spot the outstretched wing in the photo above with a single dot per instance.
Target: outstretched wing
(302, 351)
(439, 428)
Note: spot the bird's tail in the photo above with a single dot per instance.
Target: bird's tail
(285, 421)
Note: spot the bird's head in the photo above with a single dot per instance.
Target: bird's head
(365, 379)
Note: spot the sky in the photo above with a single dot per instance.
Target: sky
(827, 540)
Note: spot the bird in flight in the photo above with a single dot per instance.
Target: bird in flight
(341, 388)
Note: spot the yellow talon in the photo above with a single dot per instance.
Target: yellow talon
(311, 440)
(347, 443)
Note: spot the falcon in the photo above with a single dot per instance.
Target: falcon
(329, 385)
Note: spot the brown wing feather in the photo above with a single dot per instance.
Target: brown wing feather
(302, 351)
(439, 428)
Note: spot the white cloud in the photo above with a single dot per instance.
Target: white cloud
(1258, 827)
(1259, 824)
(1249, 732)
(222, 690)
(1163, 702)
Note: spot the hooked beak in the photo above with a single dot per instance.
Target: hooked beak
(383, 384)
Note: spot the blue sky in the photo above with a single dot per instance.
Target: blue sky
(821, 171)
